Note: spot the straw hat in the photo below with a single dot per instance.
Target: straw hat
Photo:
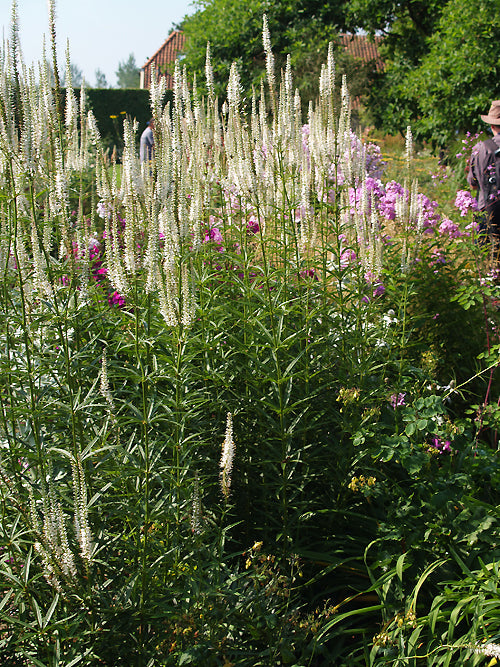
(493, 117)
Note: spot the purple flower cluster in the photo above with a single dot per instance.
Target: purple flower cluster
(386, 198)
(449, 228)
(308, 273)
(378, 288)
(374, 164)
(387, 202)
(213, 235)
(372, 185)
(253, 226)
(370, 152)
(438, 256)
(442, 174)
(430, 216)
(397, 400)
(465, 202)
(440, 446)
(96, 251)
(347, 255)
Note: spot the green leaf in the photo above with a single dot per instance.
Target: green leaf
(410, 429)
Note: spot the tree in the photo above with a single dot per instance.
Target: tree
(460, 74)
(452, 82)
(100, 79)
(405, 24)
(301, 28)
(128, 74)
(441, 63)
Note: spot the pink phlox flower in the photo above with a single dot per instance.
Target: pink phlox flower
(465, 202)
(232, 198)
(473, 228)
(398, 400)
(100, 274)
(213, 234)
(430, 217)
(355, 195)
(116, 299)
(23, 463)
(375, 165)
(347, 256)
(103, 211)
(370, 153)
(253, 226)
(438, 256)
(387, 202)
(377, 286)
(308, 273)
(94, 250)
(441, 446)
(375, 185)
(370, 277)
(450, 228)
(372, 186)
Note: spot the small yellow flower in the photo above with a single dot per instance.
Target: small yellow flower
(411, 618)
(257, 546)
(113, 116)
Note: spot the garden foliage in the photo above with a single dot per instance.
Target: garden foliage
(247, 392)
(445, 85)
(301, 30)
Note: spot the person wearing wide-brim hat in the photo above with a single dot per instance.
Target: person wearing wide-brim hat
(484, 175)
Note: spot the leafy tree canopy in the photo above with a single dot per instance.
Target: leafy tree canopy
(301, 28)
(453, 81)
(405, 24)
(128, 74)
(441, 56)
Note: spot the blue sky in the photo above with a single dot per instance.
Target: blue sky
(101, 33)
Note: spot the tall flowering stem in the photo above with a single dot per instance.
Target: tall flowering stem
(227, 458)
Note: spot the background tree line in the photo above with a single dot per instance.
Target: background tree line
(441, 56)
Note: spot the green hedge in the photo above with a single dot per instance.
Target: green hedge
(110, 105)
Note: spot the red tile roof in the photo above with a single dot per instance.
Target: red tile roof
(359, 46)
(166, 55)
(364, 48)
